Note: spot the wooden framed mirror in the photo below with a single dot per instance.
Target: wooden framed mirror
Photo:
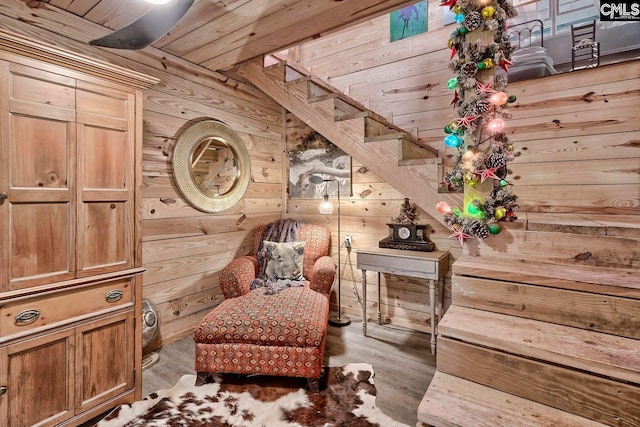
(211, 166)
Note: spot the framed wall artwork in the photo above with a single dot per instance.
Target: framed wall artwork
(409, 21)
(316, 155)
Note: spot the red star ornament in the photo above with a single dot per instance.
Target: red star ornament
(456, 98)
(488, 173)
(505, 63)
(460, 235)
(466, 121)
(453, 52)
(450, 3)
(485, 87)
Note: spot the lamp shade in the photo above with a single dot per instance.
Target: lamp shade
(326, 207)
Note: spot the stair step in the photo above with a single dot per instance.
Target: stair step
(598, 279)
(384, 137)
(454, 402)
(604, 354)
(571, 390)
(580, 308)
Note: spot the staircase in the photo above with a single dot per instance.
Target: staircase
(395, 155)
(546, 333)
(534, 344)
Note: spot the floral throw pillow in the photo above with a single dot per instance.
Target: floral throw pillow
(284, 260)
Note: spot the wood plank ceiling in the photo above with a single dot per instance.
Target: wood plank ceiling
(218, 34)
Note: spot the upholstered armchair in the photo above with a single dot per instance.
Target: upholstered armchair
(283, 332)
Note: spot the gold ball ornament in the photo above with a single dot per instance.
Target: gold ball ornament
(451, 43)
(488, 63)
(470, 178)
(488, 12)
(500, 212)
(457, 9)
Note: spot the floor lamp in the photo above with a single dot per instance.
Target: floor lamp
(326, 208)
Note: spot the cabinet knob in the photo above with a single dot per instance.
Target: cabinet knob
(3, 196)
(3, 390)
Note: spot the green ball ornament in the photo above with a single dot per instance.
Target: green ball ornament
(452, 83)
(463, 30)
(494, 228)
(512, 98)
(473, 209)
(447, 129)
(503, 183)
(481, 65)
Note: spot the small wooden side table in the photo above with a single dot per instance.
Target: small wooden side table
(428, 265)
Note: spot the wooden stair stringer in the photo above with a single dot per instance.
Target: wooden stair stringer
(419, 182)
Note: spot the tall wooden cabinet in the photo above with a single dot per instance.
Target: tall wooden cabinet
(70, 233)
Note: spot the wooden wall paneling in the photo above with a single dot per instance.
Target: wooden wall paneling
(333, 56)
(194, 226)
(563, 249)
(620, 145)
(185, 92)
(365, 215)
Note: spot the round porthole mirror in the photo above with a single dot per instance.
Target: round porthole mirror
(211, 166)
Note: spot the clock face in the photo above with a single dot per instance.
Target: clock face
(404, 233)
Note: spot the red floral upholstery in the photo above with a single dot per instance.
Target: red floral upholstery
(282, 334)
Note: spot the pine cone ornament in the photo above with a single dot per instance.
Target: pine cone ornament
(482, 107)
(473, 20)
(478, 229)
(468, 70)
(495, 160)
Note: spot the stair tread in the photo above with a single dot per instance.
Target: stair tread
(546, 274)
(451, 401)
(609, 355)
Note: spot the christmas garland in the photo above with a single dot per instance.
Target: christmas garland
(483, 150)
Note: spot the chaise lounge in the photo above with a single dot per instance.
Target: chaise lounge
(276, 329)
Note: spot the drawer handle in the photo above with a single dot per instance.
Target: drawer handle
(27, 317)
(114, 295)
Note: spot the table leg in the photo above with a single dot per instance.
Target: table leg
(432, 304)
(379, 302)
(440, 300)
(364, 302)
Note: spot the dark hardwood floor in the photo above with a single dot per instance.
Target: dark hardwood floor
(401, 359)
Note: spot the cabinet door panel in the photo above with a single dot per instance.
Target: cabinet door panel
(39, 380)
(105, 237)
(106, 166)
(40, 242)
(105, 359)
(40, 208)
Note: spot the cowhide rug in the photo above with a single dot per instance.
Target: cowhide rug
(347, 398)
